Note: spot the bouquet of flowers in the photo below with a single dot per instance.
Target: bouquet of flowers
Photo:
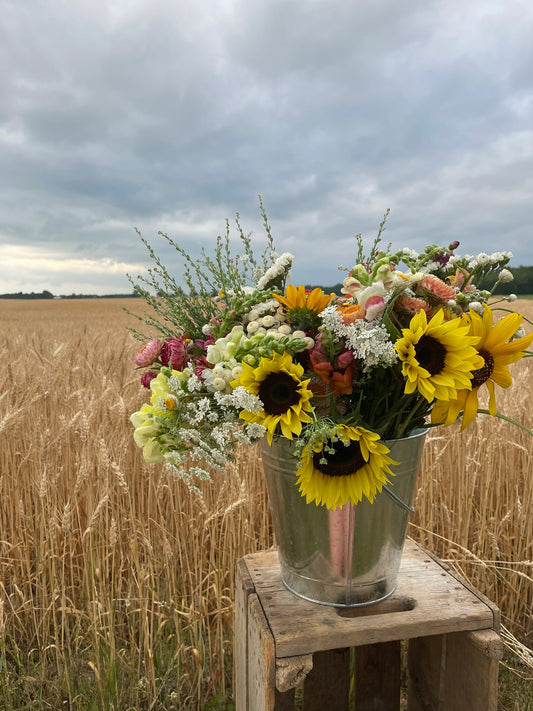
(409, 342)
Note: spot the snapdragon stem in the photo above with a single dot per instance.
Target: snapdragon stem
(508, 419)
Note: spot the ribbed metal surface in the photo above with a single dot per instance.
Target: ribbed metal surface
(346, 557)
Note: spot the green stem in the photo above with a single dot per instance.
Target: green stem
(405, 424)
(509, 311)
(508, 419)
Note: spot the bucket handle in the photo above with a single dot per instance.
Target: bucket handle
(397, 500)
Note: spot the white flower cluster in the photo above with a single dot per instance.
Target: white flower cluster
(263, 319)
(410, 253)
(250, 434)
(241, 399)
(482, 259)
(280, 267)
(370, 342)
(218, 379)
(429, 268)
(261, 309)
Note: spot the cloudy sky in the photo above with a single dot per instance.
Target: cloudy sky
(171, 115)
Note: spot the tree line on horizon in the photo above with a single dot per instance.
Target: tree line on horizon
(522, 285)
(48, 295)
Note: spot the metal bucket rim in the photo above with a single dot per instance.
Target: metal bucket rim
(421, 432)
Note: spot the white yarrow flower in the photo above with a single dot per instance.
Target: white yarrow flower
(370, 342)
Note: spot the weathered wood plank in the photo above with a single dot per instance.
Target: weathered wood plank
(441, 605)
(327, 685)
(454, 648)
(483, 598)
(377, 677)
(471, 671)
(284, 700)
(291, 671)
(426, 658)
(261, 659)
(243, 588)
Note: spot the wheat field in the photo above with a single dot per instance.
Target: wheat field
(116, 583)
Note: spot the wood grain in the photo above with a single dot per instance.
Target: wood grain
(428, 597)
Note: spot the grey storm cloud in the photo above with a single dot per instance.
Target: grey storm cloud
(164, 115)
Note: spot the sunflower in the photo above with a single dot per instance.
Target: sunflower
(438, 356)
(304, 306)
(497, 351)
(299, 298)
(278, 383)
(344, 466)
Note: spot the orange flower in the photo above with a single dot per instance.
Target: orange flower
(411, 305)
(435, 290)
(324, 370)
(341, 383)
(351, 313)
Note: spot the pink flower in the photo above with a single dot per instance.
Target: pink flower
(174, 353)
(148, 353)
(344, 359)
(147, 378)
(435, 290)
(318, 354)
(374, 306)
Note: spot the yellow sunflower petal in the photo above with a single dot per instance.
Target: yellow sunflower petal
(282, 300)
(286, 398)
(519, 344)
(478, 324)
(317, 300)
(492, 398)
(336, 489)
(470, 408)
(501, 376)
(438, 357)
(503, 330)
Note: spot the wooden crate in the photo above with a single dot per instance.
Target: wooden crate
(283, 641)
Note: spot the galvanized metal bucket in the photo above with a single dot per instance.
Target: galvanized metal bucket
(349, 556)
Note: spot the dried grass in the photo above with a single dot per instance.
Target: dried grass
(116, 583)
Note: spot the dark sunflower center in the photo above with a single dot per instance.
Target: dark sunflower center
(346, 460)
(481, 375)
(431, 354)
(278, 392)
